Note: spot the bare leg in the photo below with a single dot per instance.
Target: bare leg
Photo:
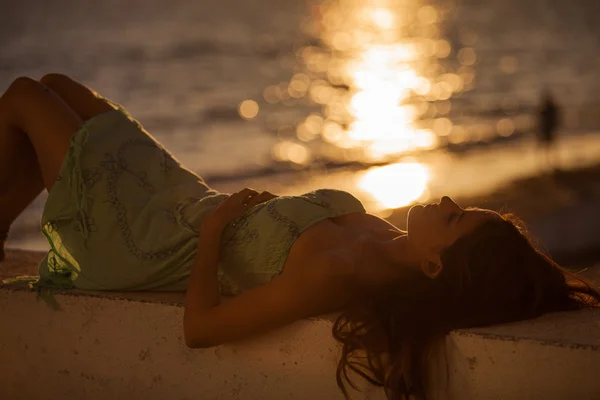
(23, 186)
(83, 100)
(35, 130)
(28, 184)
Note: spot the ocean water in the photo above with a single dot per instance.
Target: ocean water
(314, 93)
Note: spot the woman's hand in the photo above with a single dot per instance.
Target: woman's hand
(234, 206)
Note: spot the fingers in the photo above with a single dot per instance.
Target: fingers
(260, 198)
(236, 205)
(248, 200)
(243, 196)
(248, 197)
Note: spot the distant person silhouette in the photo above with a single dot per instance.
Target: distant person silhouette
(548, 121)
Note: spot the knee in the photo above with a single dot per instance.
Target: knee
(52, 79)
(20, 87)
(22, 82)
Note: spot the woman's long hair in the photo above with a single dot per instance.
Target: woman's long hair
(493, 275)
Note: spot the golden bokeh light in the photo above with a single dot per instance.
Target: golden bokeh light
(453, 80)
(248, 109)
(313, 123)
(290, 151)
(467, 56)
(297, 88)
(467, 74)
(304, 134)
(442, 126)
(427, 15)
(332, 132)
(505, 127)
(272, 94)
(382, 17)
(458, 135)
(442, 48)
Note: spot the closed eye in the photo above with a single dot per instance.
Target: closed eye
(455, 215)
(451, 217)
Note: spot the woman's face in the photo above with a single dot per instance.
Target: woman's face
(434, 227)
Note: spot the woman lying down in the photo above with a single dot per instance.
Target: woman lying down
(123, 214)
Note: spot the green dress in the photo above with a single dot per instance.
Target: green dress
(124, 215)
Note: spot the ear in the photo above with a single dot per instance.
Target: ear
(431, 268)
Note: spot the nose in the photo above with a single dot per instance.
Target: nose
(447, 204)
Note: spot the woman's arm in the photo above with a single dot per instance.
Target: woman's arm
(259, 310)
(203, 287)
(287, 298)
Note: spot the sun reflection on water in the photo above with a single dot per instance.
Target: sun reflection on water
(395, 185)
(379, 66)
(381, 122)
(380, 71)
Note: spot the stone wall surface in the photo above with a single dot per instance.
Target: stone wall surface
(99, 348)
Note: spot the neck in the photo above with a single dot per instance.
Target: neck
(401, 252)
(386, 261)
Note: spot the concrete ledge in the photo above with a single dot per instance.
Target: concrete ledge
(556, 356)
(129, 346)
(98, 348)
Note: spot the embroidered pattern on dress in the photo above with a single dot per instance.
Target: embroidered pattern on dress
(140, 177)
(274, 258)
(175, 215)
(91, 177)
(290, 225)
(90, 224)
(242, 235)
(323, 201)
(116, 168)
